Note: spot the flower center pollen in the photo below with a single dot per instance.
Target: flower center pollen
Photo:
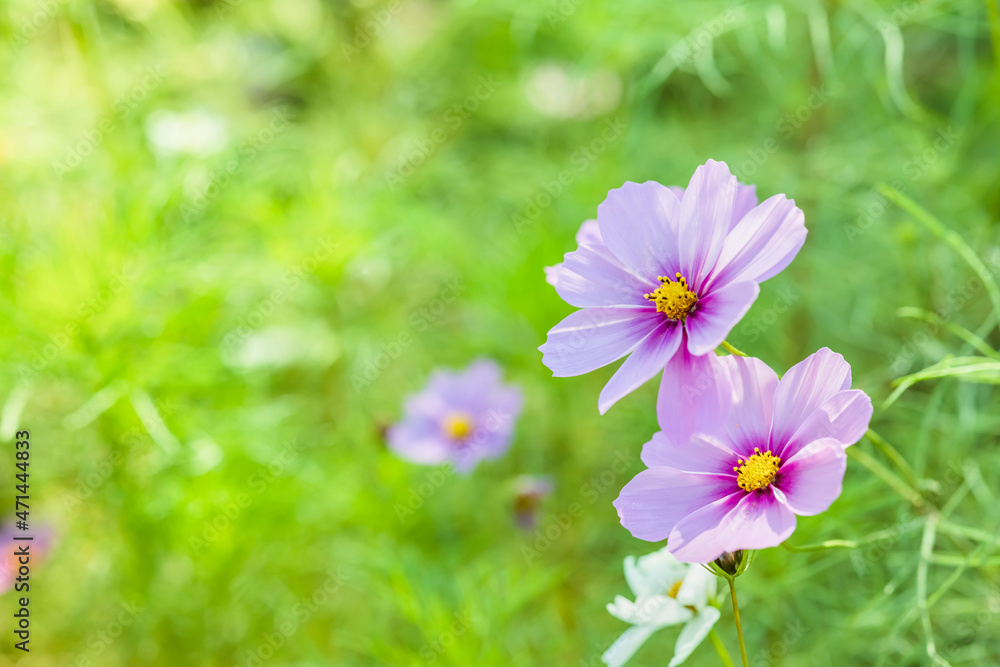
(673, 297)
(457, 425)
(674, 590)
(757, 471)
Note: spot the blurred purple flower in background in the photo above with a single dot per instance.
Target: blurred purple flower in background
(38, 550)
(666, 269)
(529, 492)
(776, 453)
(459, 418)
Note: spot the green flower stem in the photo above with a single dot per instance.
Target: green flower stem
(720, 648)
(732, 350)
(894, 456)
(926, 549)
(739, 626)
(993, 12)
(887, 476)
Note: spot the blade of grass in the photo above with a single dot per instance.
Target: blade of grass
(926, 550)
(887, 476)
(972, 339)
(967, 369)
(953, 239)
(895, 457)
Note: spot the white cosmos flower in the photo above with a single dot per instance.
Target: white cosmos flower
(667, 592)
(199, 133)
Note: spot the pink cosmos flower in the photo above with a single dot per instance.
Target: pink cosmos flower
(38, 550)
(459, 418)
(663, 270)
(775, 452)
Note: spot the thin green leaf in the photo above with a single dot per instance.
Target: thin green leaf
(951, 238)
(967, 369)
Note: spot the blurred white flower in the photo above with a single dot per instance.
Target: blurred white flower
(667, 592)
(198, 133)
(554, 91)
(310, 345)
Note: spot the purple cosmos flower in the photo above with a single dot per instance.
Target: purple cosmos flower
(459, 418)
(776, 452)
(664, 270)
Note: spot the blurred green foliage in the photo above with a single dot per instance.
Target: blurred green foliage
(216, 216)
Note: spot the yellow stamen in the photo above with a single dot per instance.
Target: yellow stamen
(674, 590)
(673, 298)
(757, 471)
(457, 425)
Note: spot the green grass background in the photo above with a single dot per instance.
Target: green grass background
(121, 286)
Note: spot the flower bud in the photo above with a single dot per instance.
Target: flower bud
(730, 561)
(733, 563)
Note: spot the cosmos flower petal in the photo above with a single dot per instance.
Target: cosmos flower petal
(589, 233)
(653, 573)
(449, 390)
(804, 388)
(705, 215)
(694, 632)
(718, 312)
(658, 498)
(756, 520)
(481, 372)
(746, 200)
(552, 274)
(627, 644)
(701, 452)
(646, 360)
(594, 337)
(656, 452)
(698, 587)
(754, 384)
(812, 479)
(639, 223)
(657, 609)
(763, 243)
(592, 276)
(622, 608)
(693, 395)
(844, 417)
(425, 450)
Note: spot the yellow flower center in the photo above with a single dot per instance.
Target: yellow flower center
(457, 425)
(674, 590)
(757, 471)
(673, 297)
